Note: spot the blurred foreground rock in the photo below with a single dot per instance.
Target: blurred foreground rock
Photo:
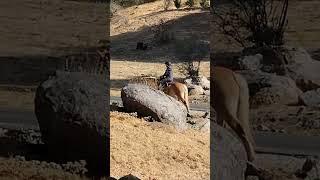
(72, 111)
(228, 155)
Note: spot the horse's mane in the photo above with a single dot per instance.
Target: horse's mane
(146, 80)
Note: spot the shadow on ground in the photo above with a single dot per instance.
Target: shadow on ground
(27, 70)
(123, 46)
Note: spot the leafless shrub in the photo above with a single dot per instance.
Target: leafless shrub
(253, 22)
(190, 69)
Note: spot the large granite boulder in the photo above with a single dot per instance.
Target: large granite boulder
(147, 101)
(72, 111)
(266, 88)
(302, 68)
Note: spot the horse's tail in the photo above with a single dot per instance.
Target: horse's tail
(185, 97)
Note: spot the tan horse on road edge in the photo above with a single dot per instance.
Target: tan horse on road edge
(230, 100)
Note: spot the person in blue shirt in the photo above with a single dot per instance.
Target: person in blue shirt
(167, 77)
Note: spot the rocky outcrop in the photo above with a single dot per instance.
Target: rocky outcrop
(303, 69)
(266, 88)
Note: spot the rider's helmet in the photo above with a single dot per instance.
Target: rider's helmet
(167, 63)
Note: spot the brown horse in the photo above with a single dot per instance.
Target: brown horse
(176, 90)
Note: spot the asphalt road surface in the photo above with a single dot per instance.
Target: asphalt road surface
(266, 142)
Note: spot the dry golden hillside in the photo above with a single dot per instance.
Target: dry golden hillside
(156, 151)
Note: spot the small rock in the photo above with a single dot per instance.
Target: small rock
(188, 82)
(197, 90)
(111, 178)
(129, 177)
(311, 123)
(205, 83)
(134, 114)
(20, 158)
(252, 62)
(282, 131)
(148, 118)
(206, 92)
(311, 98)
(114, 106)
(3, 132)
(36, 162)
(262, 127)
(206, 114)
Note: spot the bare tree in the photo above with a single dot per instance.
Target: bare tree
(253, 22)
(192, 51)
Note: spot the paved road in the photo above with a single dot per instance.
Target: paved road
(11, 118)
(266, 142)
(194, 107)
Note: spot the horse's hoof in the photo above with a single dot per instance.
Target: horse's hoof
(189, 115)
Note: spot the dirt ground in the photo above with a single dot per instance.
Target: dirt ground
(294, 120)
(157, 151)
(10, 99)
(49, 27)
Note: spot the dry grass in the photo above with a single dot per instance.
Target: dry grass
(156, 151)
(30, 32)
(17, 100)
(149, 14)
(13, 169)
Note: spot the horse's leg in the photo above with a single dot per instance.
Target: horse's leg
(183, 97)
(186, 98)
